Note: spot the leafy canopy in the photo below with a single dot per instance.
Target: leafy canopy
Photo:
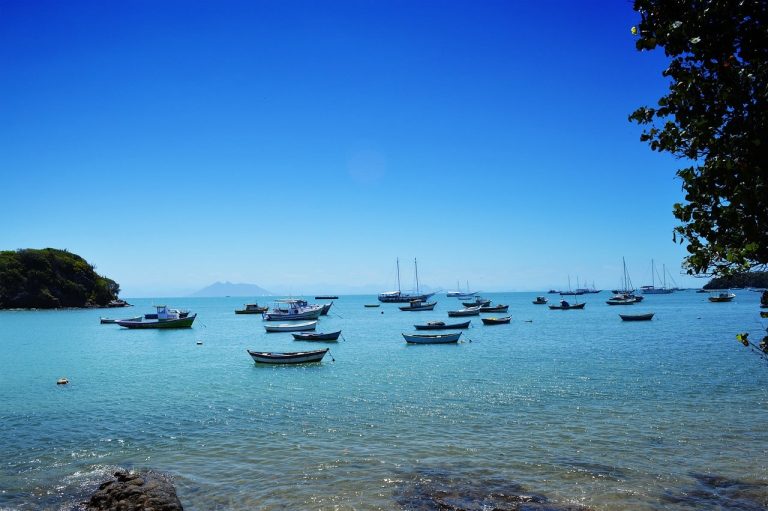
(714, 117)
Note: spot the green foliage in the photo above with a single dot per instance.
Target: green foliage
(757, 279)
(50, 278)
(715, 116)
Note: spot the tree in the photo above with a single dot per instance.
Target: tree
(715, 117)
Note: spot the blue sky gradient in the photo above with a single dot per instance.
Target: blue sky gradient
(303, 146)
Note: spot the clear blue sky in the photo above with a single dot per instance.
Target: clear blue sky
(306, 145)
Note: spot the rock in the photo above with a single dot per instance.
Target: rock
(132, 491)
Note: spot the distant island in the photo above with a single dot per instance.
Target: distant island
(50, 278)
(756, 279)
(219, 289)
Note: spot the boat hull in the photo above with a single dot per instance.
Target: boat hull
(568, 307)
(496, 321)
(403, 297)
(160, 324)
(297, 316)
(472, 311)
(432, 339)
(260, 310)
(497, 308)
(443, 326)
(107, 321)
(328, 336)
(421, 307)
(293, 357)
(636, 317)
(294, 327)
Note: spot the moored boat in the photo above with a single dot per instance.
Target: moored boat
(292, 310)
(432, 338)
(496, 321)
(636, 317)
(540, 300)
(621, 299)
(469, 311)
(442, 325)
(290, 357)
(721, 297)
(478, 302)
(418, 305)
(371, 305)
(567, 306)
(291, 327)
(401, 297)
(317, 336)
(327, 297)
(166, 318)
(494, 308)
(252, 308)
(325, 308)
(105, 321)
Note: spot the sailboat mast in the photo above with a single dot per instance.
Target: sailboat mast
(653, 281)
(416, 270)
(398, 274)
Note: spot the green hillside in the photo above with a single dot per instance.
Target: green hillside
(50, 278)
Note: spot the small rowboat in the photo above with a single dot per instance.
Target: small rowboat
(291, 327)
(432, 338)
(636, 317)
(105, 321)
(496, 321)
(469, 311)
(291, 357)
(564, 306)
(372, 304)
(309, 336)
(441, 325)
(480, 302)
(494, 308)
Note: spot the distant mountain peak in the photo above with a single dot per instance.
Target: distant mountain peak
(229, 289)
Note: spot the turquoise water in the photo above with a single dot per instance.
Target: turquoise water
(574, 405)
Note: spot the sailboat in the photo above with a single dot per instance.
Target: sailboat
(400, 297)
(626, 293)
(461, 294)
(652, 289)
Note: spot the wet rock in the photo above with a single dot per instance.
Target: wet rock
(131, 491)
(712, 492)
(428, 490)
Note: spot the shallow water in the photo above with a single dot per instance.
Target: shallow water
(575, 406)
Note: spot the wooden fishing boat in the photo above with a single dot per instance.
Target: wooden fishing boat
(160, 323)
(636, 317)
(722, 297)
(441, 325)
(432, 338)
(494, 308)
(252, 308)
(469, 311)
(621, 299)
(763, 314)
(290, 357)
(321, 336)
(325, 308)
(418, 305)
(372, 304)
(540, 300)
(567, 306)
(496, 321)
(479, 302)
(105, 321)
(291, 327)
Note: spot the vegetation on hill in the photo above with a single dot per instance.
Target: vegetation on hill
(757, 279)
(49, 278)
(715, 119)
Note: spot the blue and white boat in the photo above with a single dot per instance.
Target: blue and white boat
(432, 338)
(293, 310)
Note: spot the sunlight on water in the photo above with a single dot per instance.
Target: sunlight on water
(572, 408)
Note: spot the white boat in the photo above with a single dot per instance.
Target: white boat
(400, 297)
(291, 327)
(468, 311)
(432, 338)
(292, 310)
(291, 357)
(418, 305)
(722, 297)
(461, 294)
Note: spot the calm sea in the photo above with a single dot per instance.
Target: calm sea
(576, 406)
